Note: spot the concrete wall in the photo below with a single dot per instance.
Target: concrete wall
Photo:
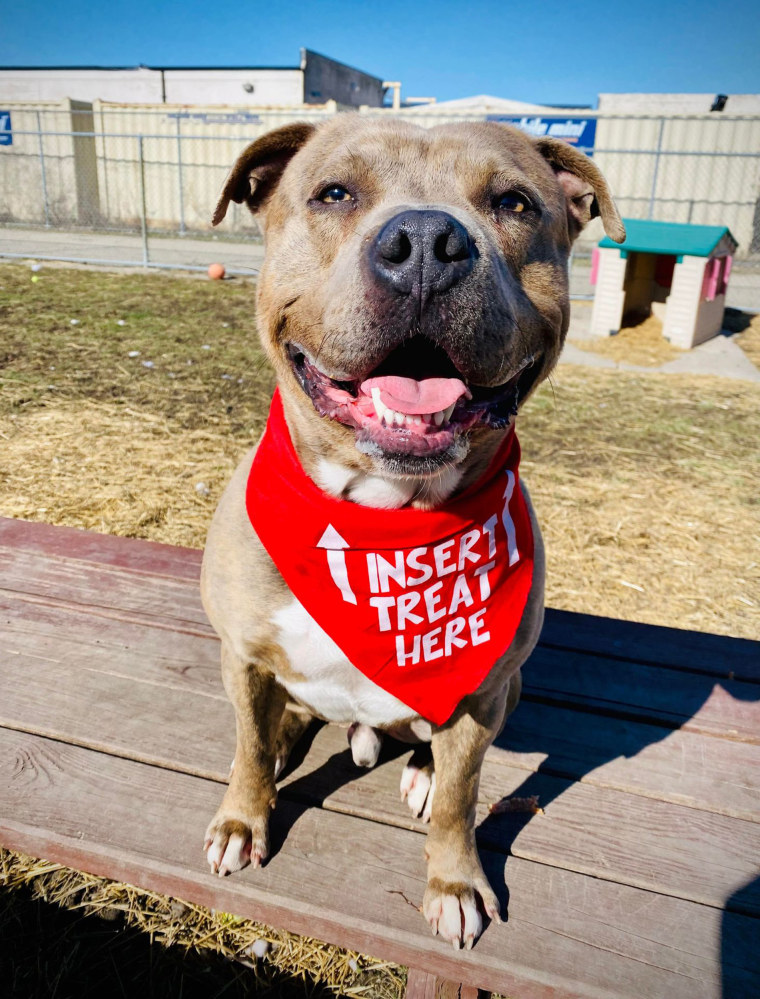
(140, 85)
(283, 87)
(677, 103)
(325, 79)
(38, 175)
(318, 79)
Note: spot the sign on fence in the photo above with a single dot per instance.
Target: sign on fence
(6, 135)
(219, 117)
(579, 132)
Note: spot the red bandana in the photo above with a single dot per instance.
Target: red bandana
(422, 602)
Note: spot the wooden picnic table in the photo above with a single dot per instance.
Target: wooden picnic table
(640, 877)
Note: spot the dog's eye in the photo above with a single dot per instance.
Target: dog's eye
(334, 194)
(512, 202)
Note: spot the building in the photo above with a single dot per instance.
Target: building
(679, 103)
(677, 273)
(316, 80)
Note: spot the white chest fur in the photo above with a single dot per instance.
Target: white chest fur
(331, 686)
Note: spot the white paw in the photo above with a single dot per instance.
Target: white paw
(418, 788)
(230, 845)
(365, 744)
(453, 911)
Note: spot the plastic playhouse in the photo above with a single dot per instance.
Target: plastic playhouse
(678, 273)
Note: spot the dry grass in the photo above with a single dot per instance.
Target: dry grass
(642, 344)
(229, 966)
(645, 484)
(646, 488)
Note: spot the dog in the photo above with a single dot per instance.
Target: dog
(414, 293)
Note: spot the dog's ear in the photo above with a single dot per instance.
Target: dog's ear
(585, 188)
(258, 169)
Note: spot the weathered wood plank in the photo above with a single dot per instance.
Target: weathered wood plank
(102, 588)
(630, 690)
(567, 935)
(105, 549)
(145, 649)
(717, 655)
(685, 767)
(729, 708)
(421, 985)
(609, 834)
(680, 766)
(695, 651)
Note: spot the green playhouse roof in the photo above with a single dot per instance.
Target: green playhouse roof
(668, 237)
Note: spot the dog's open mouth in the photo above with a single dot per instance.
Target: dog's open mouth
(414, 403)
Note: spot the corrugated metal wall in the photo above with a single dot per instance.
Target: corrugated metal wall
(41, 159)
(186, 155)
(684, 168)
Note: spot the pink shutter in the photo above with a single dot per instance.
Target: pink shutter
(723, 285)
(594, 265)
(706, 281)
(710, 283)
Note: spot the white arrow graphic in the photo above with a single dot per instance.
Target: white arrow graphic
(506, 519)
(336, 561)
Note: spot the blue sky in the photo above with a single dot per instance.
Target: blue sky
(557, 52)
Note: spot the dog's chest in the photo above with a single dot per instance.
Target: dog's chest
(327, 683)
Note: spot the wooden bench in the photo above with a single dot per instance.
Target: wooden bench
(640, 878)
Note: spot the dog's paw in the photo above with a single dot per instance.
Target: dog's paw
(453, 911)
(418, 789)
(232, 844)
(365, 743)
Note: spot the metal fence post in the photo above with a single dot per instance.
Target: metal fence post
(182, 229)
(656, 168)
(44, 175)
(143, 212)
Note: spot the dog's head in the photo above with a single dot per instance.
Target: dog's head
(414, 289)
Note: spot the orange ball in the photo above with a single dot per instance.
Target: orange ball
(216, 271)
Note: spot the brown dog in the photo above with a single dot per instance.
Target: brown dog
(434, 260)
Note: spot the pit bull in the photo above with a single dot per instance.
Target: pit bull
(376, 561)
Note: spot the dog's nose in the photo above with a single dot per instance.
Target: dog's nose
(422, 250)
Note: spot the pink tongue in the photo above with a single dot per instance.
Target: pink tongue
(407, 395)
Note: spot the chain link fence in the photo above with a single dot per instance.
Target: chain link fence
(104, 184)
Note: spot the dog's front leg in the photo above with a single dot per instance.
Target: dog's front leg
(455, 874)
(238, 833)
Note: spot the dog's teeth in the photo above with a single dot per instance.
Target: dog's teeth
(417, 420)
(427, 418)
(448, 411)
(438, 417)
(380, 408)
(399, 418)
